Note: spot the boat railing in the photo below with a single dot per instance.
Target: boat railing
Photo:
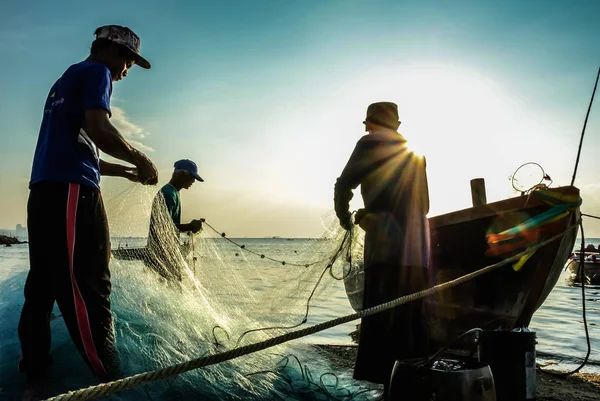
(589, 256)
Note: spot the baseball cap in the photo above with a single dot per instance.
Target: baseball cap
(125, 37)
(188, 166)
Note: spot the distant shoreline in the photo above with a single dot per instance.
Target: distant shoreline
(8, 241)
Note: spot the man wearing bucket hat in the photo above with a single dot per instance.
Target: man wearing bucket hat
(394, 189)
(69, 243)
(164, 255)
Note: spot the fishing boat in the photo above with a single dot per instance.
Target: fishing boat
(591, 267)
(142, 253)
(467, 240)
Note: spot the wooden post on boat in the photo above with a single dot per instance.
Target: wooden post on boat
(478, 192)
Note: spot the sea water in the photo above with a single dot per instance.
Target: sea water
(558, 324)
(158, 325)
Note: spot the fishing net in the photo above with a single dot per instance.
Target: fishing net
(179, 297)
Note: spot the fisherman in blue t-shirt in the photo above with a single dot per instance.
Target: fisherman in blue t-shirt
(69, 245)
(163, 239)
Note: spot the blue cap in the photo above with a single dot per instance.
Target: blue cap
(188, 166)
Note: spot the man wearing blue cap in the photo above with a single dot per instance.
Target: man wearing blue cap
(165, 222)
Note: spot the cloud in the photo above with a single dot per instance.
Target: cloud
(130, 131)
(140, 146)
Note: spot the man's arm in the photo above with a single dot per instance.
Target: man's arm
(110, 141)
(118, 170)
(425, 188)
(185, 227)
(194, 226)
(170, 203)
(342, 195)
(96, 87)
(349, 180)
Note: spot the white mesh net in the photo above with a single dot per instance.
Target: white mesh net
(178, 297)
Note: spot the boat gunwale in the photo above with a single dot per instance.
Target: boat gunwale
(519, 203)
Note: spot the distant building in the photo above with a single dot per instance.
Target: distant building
(21, 232)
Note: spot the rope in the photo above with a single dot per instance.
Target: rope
(524, 191)
(346, 243)
(589, 215)
(321, 388)
(262, 255)
(193, 245)
(117, 386)
(581, 275)
(584, 125)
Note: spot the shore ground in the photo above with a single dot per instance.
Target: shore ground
(577, 387)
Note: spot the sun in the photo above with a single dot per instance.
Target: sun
(452, 117)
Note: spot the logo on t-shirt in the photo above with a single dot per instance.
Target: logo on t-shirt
(54, 103)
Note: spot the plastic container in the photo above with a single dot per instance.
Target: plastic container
(511, 357)
(441, 380)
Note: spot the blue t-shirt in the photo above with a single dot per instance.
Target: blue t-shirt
(64, 152)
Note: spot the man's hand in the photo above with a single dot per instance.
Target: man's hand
(193, 226)
(196, 225)
(363, 219)
(346, 222)
(131, 174)
(146, 170)
(360, 214)
(118, 170)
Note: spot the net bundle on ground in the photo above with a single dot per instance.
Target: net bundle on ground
(177, 297)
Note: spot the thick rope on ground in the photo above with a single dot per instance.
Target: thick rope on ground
(104, 389)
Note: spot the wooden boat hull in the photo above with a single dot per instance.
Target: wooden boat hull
(130, 253)
(504, 298)
(142, 253)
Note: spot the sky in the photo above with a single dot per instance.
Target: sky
(268, 98)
